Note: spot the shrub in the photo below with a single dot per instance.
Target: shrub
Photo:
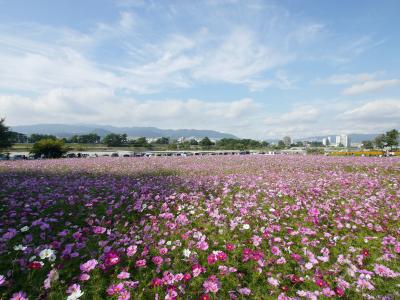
(49, 148)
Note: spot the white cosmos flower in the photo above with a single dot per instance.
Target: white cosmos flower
(48, 253)
(186, 253)
(246, 226)
(75, 295)
(24, 229)
(19, 247)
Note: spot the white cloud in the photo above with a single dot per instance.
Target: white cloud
(126, 21)
(370, 86)
(338, 79)
(101, 105)
(385, 110)
(239, 58)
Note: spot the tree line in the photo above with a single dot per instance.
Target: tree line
(388, 139)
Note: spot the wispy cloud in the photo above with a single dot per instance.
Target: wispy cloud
(371, 86)
(347, 78)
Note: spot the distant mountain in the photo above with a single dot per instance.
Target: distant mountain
(66, 130)
(354, 137)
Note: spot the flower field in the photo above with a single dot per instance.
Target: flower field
(215, 227)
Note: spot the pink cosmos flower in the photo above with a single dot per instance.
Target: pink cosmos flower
(339, 291)
(197, 270)
(202, 245)
(115, 289)
(328, 292)
(124, 295)
(157, 260)
(140, 263)
(19, 296)
(84, 277)
(212, 284)
(281, 261)
(163, 251)
(244, 291)
(256, 240)
(222, 256)
(276, 251)
(211, 259)
(99, 230)
(171, 293)
(131, 284)
(321, 283)
(123, 275)
(131, 250)
(51, 277)
(2, 280)
(362, 283)
(384, 271)
(89, 265)
(230, 247)
(157, 282)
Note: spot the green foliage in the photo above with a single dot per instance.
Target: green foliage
(315, 151)
(281, 145)
(367, 145)
(37, 137)
(391, 138)
(380, 141)
(115, 140)
(162, 141)
(91, 138)
(49, 148)
(206, 142)
(140, 142)
(239, 144)
(5, 136)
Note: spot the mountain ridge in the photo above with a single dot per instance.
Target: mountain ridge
(68, 130)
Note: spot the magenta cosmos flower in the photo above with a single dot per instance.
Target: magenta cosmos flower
(112, 258)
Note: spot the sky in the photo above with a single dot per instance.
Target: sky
(256, 69)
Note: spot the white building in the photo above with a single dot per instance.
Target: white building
(343, 140)
(325, 141)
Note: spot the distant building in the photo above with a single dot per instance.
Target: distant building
(325, 141)
(287, 141)
(343, 140)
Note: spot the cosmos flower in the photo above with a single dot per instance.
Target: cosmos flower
(48, 254)
(112, 258)
(74, 292)
(89, 265)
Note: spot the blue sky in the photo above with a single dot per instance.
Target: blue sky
(260, 69)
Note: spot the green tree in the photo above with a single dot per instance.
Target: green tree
(206, 142)
(391, 138)
(193, 142)
(49, 148)
(5, 136)
(115, 140)
(264, 144)
(37, 137)
(140, 142)
(281, 144)
(380, 141)
(162, 141)
(367, 145)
